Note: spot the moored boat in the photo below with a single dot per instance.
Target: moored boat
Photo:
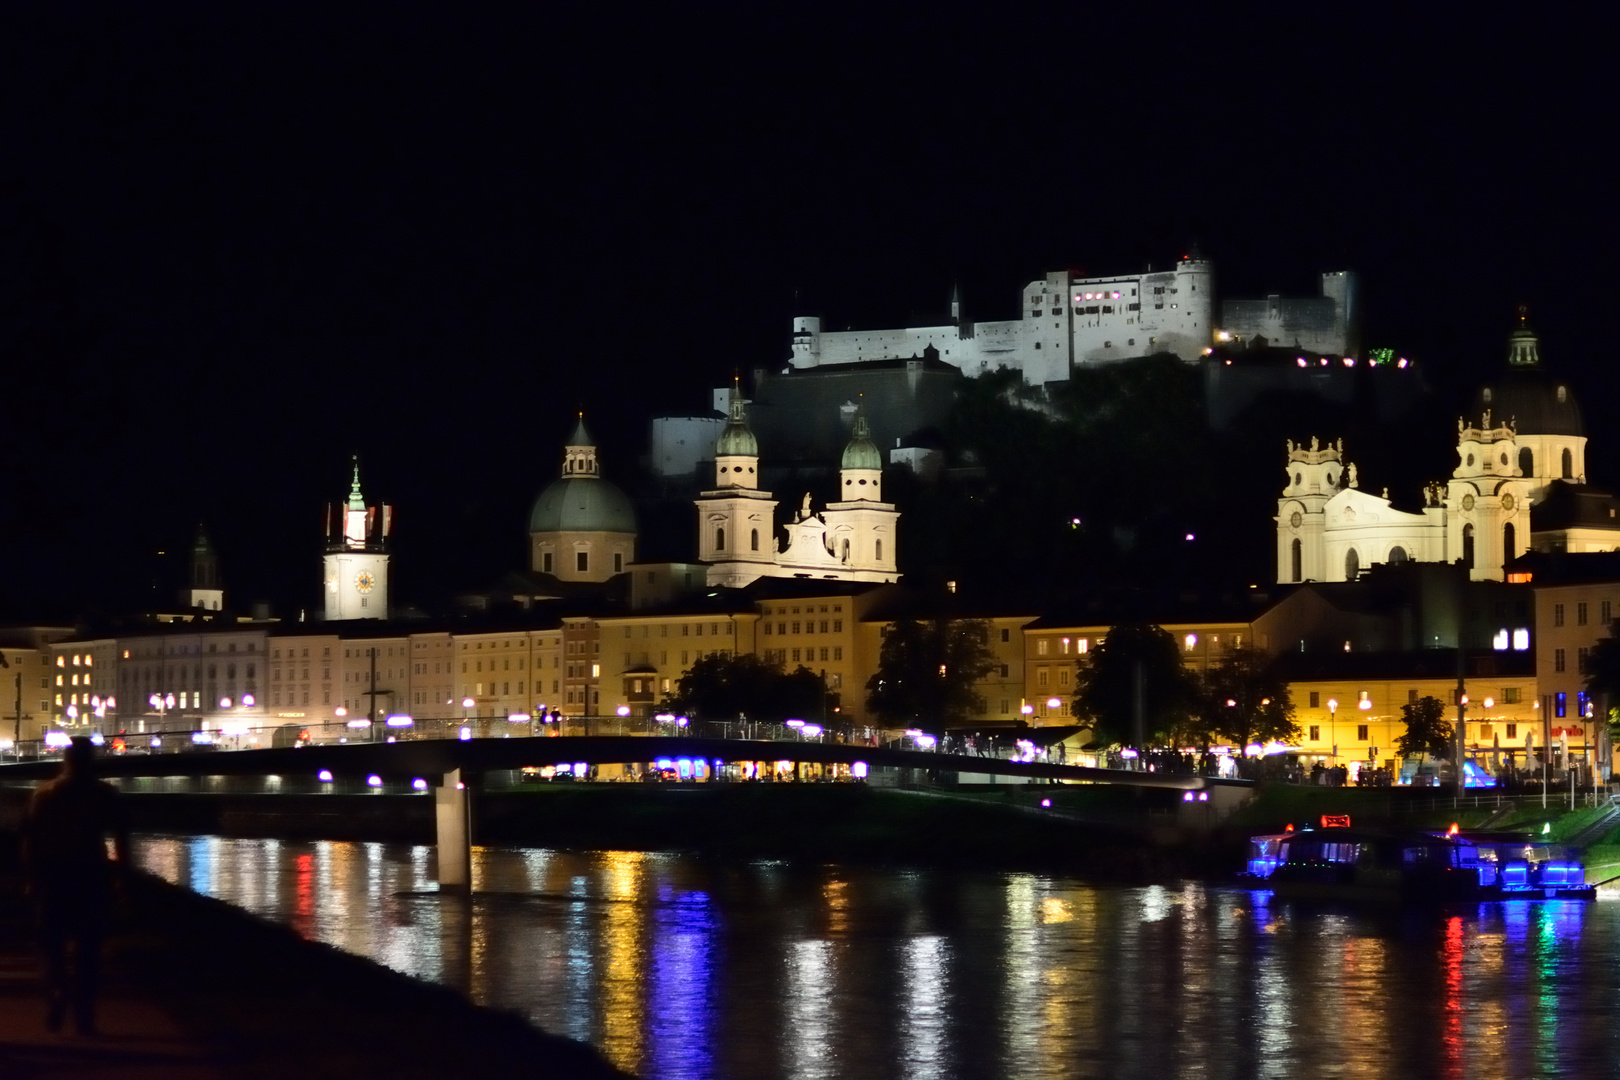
(1363, 865)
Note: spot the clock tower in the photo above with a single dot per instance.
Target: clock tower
(356, 562)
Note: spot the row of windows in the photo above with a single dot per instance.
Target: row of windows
(1605, 613)
(782, 627)
(1507, 695)
(716, 629)
(804, 656)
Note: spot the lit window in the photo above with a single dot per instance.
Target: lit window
(1521, 640)
(1500, 641)
(1191, 641)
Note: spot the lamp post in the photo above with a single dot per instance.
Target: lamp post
(1333, 728)
(466, 704)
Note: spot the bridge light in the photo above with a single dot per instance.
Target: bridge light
(1053, 703)
(373, 780)
(224, 702)
(812, 730)
(324, 776)
(359, 723)
(581, 768)
(467, 703)
(518, 718)
(248, 701)
(419, 784)
(623, 710)
(466, 734)
(680, 721)
(340, 712)
(795, 723)
(399, 720)
(858, 770)
(157, 743)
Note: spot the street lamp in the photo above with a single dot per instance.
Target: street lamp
(1333, 733)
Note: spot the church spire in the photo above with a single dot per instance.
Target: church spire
(356, 500)
(579, 453)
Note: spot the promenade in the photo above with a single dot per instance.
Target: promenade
(194, 988)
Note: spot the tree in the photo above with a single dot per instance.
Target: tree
(1132, 658)
(1603, 675)
(1428, 732)
(1245, 699)
(720, 687)
(928, 671)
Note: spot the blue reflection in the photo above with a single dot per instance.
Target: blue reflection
(682, 1006)
(1516, 921)
(201, 877)
(1561, 921)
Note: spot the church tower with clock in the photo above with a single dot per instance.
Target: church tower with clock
(356, 562)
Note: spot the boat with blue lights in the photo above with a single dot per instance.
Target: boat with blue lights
(1519, 866)
(1337, 862)
(1363, 865)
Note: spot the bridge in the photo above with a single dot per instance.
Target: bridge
(452, 768)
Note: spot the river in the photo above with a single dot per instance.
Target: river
(677, 968)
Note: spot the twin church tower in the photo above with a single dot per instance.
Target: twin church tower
(582, 528)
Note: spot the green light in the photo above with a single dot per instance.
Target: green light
(1381, 356)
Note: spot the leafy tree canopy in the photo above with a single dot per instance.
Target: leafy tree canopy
(1245, 699)
(1427, 729)
(721, 687)
(1131, 656)
(928, 671)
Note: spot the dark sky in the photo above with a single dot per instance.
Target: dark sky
(239, 243)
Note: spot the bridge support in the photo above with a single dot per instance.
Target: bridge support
(452, 811)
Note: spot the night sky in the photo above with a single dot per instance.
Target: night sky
(239, 243)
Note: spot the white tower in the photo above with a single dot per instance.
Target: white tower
(861, 526)
(1314, 476)
(356, 563)
(1487, 500)
(207, 590)
(736, 520)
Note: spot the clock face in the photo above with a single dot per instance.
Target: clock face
(1507, 502)
(364, 582)
(1468, 502)
(1296, 519)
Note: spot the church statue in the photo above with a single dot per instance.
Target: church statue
(804, 508)
(1354, 482)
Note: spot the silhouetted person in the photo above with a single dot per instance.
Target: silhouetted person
(65, 860)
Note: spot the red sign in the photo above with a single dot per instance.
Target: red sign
(1335, 821)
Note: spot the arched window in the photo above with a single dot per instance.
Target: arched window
(753, 539)
(1509, 542)
(1569, 464)
(1527, 462)
(1468, 547)
(845, 553)
(880, 551)
(1299, 560)
(719, 539)
(1397, 555)
(1352, 565)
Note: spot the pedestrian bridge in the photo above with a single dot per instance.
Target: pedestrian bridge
(452, 768)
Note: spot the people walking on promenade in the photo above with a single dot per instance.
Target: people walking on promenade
(67, 871)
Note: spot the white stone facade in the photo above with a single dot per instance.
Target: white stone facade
(852, 539)
(1066, 322)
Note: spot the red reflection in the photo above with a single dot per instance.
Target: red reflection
(304, 909)
(1453, 1038)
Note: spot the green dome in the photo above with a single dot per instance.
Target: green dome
(737, 440)
(862, 453)
(582, 504)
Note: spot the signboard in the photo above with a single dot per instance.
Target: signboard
(1335, 821)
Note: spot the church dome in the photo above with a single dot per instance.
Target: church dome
(582, 501)
(1527, 395)
(862, 453)
(582, 504)
(737, 440)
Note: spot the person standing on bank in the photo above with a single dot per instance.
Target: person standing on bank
(70, 877)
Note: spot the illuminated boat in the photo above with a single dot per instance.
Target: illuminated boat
(1517, 866)
(1364, 865)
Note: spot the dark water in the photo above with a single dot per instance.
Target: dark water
(679, 968)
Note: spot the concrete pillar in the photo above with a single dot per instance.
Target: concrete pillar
(452, 811)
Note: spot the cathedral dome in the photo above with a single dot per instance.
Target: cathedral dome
(862, 453)
(582, 501)
(1527, 395)
(582, 504)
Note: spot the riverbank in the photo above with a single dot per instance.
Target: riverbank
(195, 987)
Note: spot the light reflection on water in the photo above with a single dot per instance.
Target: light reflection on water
(678, 968)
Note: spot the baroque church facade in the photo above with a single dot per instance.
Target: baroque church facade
(851, 539)
(1521, 463)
